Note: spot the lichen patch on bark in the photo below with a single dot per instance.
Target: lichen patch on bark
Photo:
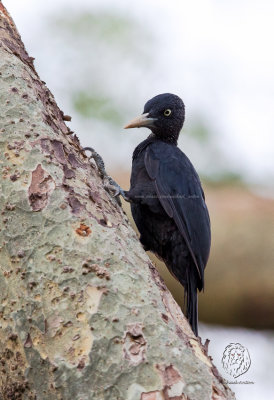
(64, 342)
(13, 383)
(93, 295)
(66, 335)
(100, 271)
(173, 311)
(42, 185)
(53, 325)
(172, 385)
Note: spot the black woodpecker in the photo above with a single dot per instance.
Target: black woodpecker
(167, 199)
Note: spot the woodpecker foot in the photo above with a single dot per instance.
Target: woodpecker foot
(109, 184)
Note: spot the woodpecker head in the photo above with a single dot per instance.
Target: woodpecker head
(164, 115)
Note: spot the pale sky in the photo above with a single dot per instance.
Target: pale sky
(217, 55)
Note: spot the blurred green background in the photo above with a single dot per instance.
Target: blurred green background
(103, 60)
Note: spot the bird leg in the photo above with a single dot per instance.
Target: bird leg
(109, 184)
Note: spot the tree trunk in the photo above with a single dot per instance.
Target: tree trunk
(83, 313)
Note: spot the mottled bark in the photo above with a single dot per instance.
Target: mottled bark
(83, 313)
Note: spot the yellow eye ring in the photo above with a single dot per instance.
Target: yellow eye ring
(167, 112)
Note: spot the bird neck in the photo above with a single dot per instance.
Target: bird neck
(170, 138)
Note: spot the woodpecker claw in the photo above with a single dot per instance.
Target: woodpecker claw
(109, 184)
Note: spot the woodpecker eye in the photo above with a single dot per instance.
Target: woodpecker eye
(167, 112)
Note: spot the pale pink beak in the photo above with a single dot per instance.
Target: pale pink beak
(141, 121)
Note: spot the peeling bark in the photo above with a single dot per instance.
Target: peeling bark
(83, 312)
(40, 188)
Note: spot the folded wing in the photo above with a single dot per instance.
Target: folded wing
(181, 195)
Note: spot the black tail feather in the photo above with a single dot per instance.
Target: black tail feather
(192, 302)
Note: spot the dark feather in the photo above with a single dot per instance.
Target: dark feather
(180, 193)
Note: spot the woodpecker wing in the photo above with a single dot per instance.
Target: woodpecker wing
(180, 193)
